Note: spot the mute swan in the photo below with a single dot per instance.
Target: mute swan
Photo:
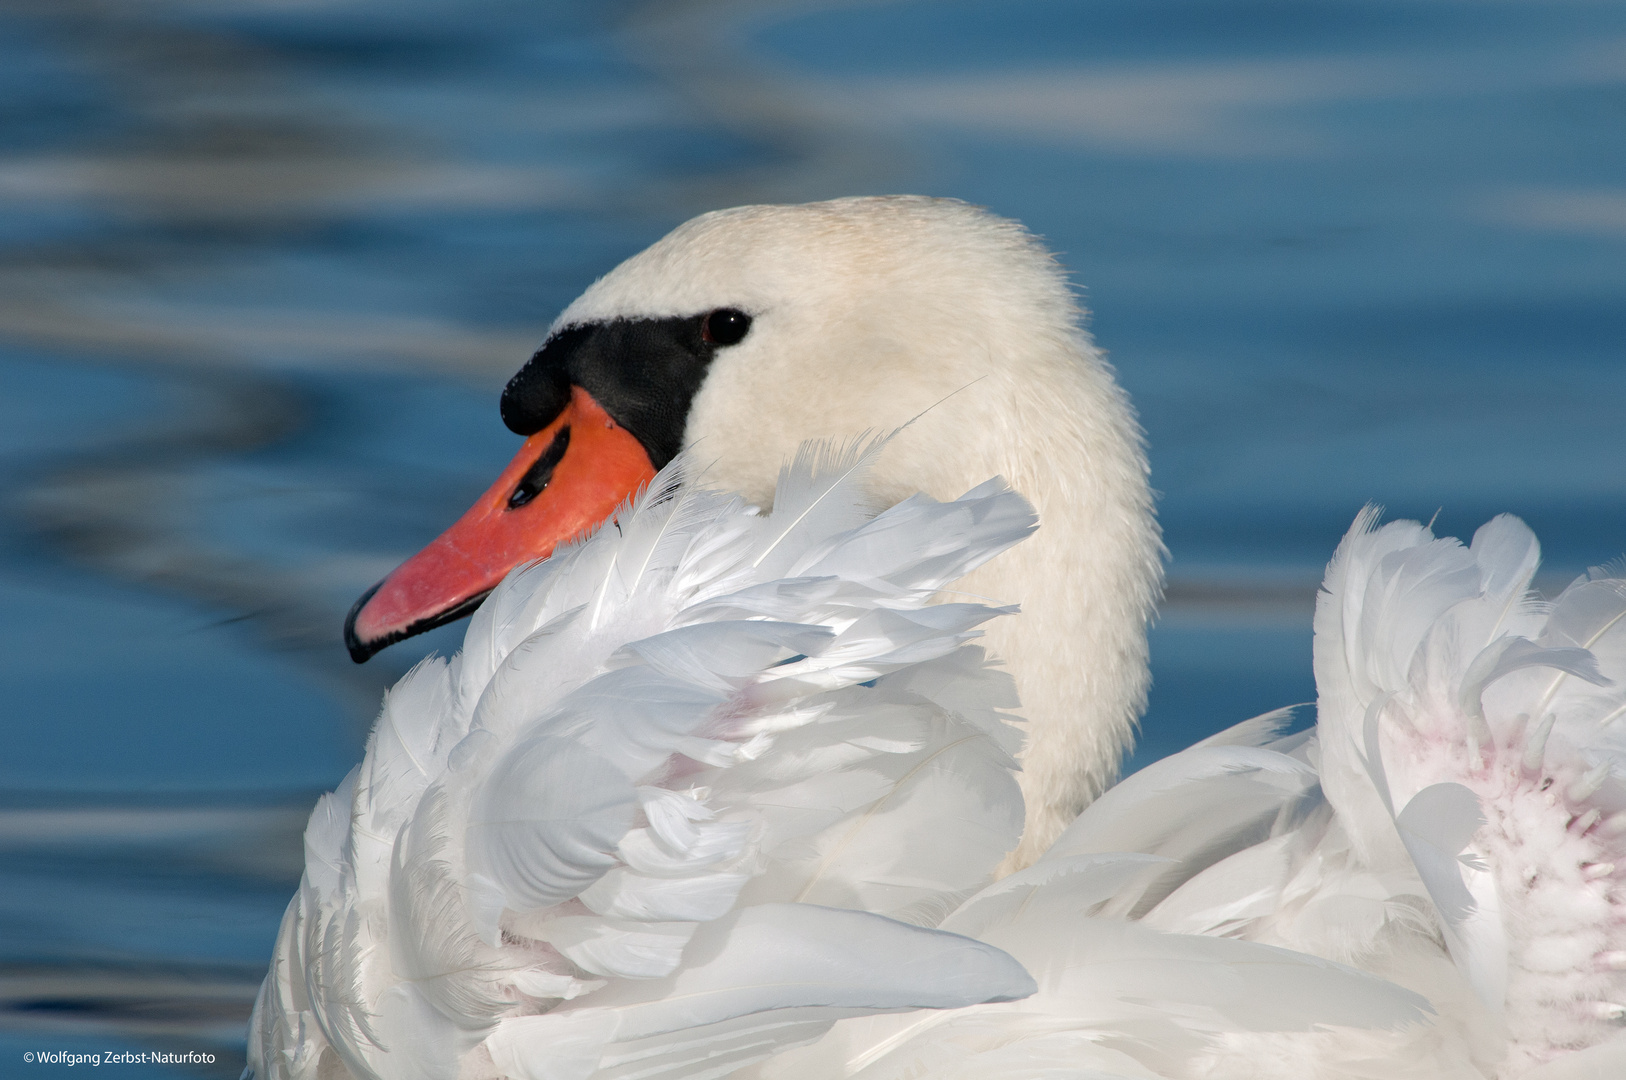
(694, 792)
(858, 315)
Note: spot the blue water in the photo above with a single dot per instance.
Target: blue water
(265, 266)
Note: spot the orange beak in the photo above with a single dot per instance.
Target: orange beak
(565, 481)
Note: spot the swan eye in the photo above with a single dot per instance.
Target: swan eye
(725, 326)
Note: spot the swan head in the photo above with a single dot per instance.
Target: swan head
(745, 332)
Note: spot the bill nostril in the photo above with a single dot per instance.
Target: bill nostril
(536, 478)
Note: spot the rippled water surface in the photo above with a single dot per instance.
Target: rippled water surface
(264, 265)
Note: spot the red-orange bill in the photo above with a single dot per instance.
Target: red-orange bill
(564, 481)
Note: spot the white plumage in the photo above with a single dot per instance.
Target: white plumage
(704, 733)
(717, 792)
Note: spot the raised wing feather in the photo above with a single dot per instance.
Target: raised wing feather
(582, 815)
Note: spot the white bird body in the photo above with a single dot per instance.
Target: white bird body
(718, 793)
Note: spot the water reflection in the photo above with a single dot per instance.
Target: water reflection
(265, 263)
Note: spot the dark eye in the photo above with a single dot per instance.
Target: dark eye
(725, 326)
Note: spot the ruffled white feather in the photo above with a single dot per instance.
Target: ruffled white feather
(1466, 836)
(638, 800)
(731, 792)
